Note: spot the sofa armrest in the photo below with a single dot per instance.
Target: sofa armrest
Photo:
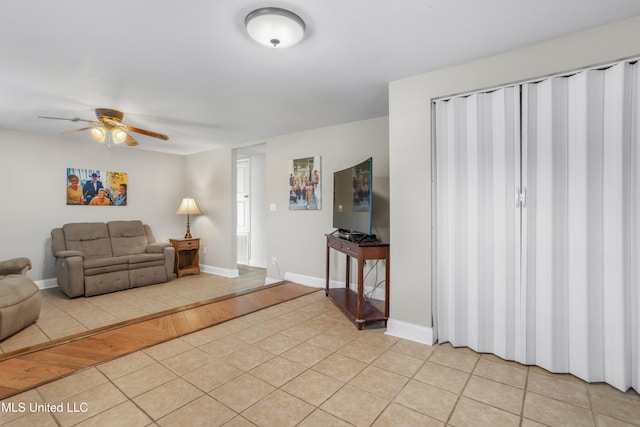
(157, 248)
(70, 273)
(67, 254)
(15, 266)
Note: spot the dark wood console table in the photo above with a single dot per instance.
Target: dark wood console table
(350, 302)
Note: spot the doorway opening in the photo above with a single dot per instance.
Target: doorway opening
(250, 210)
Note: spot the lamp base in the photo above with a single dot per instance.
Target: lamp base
(188, 234)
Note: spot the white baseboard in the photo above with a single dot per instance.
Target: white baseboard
(314, 282)
(224, 272)
(271, 280)
(410, 331)
(260, 263)
(46, 283)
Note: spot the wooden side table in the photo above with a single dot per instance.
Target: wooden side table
(187, 256)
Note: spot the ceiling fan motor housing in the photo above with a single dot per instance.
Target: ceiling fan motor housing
(106, 113)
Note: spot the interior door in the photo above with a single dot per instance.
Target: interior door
(580, 149)
(478, 221)
(243, 201)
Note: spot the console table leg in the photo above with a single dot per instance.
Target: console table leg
(326, 289)
(346, 282)
(360, 292)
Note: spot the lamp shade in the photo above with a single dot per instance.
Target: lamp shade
(275, 27)
(188, 207)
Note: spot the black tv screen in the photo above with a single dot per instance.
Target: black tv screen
(352, 199)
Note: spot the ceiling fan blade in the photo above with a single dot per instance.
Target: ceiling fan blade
(130, 141)
(77, 130)
(108, 121)
(144, 132)
(75, 119)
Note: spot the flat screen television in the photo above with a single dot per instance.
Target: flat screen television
(352, 201)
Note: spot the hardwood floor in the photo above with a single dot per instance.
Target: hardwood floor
(31, 367)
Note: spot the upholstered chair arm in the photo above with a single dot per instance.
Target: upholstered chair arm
(157, 248)
(169, 260)
(70, 273)
(15, 266)
(67, 254)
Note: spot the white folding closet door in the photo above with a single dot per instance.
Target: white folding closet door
(634, 229)
(477, 158)
(550, 277)
(582, 216)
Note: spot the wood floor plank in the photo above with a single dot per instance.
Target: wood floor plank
(18, 375)
(64, 357)
(37, 366)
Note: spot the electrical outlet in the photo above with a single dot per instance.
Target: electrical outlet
(205, 250)
(274, 260)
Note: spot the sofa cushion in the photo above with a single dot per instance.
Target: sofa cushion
(104, 262)
(90, 238)
(145, 260)
(106, 282)
(95, 266)
(147, 276)
(127, 237)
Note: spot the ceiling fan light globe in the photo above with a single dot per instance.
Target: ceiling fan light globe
(119, 136)
(98, 134)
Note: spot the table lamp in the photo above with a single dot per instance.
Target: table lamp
(188, 206)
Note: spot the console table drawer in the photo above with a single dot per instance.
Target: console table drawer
(344, 247)
(188, 244)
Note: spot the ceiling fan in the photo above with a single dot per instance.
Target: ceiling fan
(109, 128)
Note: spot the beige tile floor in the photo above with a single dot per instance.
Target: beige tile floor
(61, 316)
(303, 363)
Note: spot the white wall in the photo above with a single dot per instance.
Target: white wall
(210, 179)
(33, 197)
(410, 139)
(297, 238)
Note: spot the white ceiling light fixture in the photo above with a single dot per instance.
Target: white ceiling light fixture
(275, 27)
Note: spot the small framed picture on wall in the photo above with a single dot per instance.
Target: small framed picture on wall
(305, 185)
